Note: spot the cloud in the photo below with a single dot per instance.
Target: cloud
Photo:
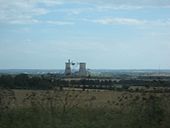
(50, 2)
(77, 11)
(27, 21)
(24, 11)
(161, 22)
(56, 22)
(91, 6)
(156, 3)
(129, 21)
(29, 11)
(19, 11)
(123, 21)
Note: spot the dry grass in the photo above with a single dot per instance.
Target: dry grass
(92, 98)
(84, 109)
(98, 97)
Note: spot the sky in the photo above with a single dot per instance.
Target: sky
(106, 34)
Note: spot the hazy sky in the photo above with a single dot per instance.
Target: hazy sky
(107, 34)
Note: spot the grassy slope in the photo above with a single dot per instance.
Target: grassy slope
(77, 109)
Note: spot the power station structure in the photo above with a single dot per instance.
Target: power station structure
(69, 69)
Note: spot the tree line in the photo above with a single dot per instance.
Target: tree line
(25, 81)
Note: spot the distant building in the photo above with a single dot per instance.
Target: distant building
(68, 68)
(82, 69)
(81, 72)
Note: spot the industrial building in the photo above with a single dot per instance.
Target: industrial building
(82, 69)
(68, 68)
(70, 65)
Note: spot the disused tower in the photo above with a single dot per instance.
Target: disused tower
(68, 68)
(82, 69)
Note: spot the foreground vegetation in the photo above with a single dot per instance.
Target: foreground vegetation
(83, 109)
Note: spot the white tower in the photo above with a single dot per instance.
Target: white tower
(68, 68)
(82, 69)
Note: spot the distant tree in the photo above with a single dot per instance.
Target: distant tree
(125, 87)
(22, 81)
(34, 82)
(7, 81)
